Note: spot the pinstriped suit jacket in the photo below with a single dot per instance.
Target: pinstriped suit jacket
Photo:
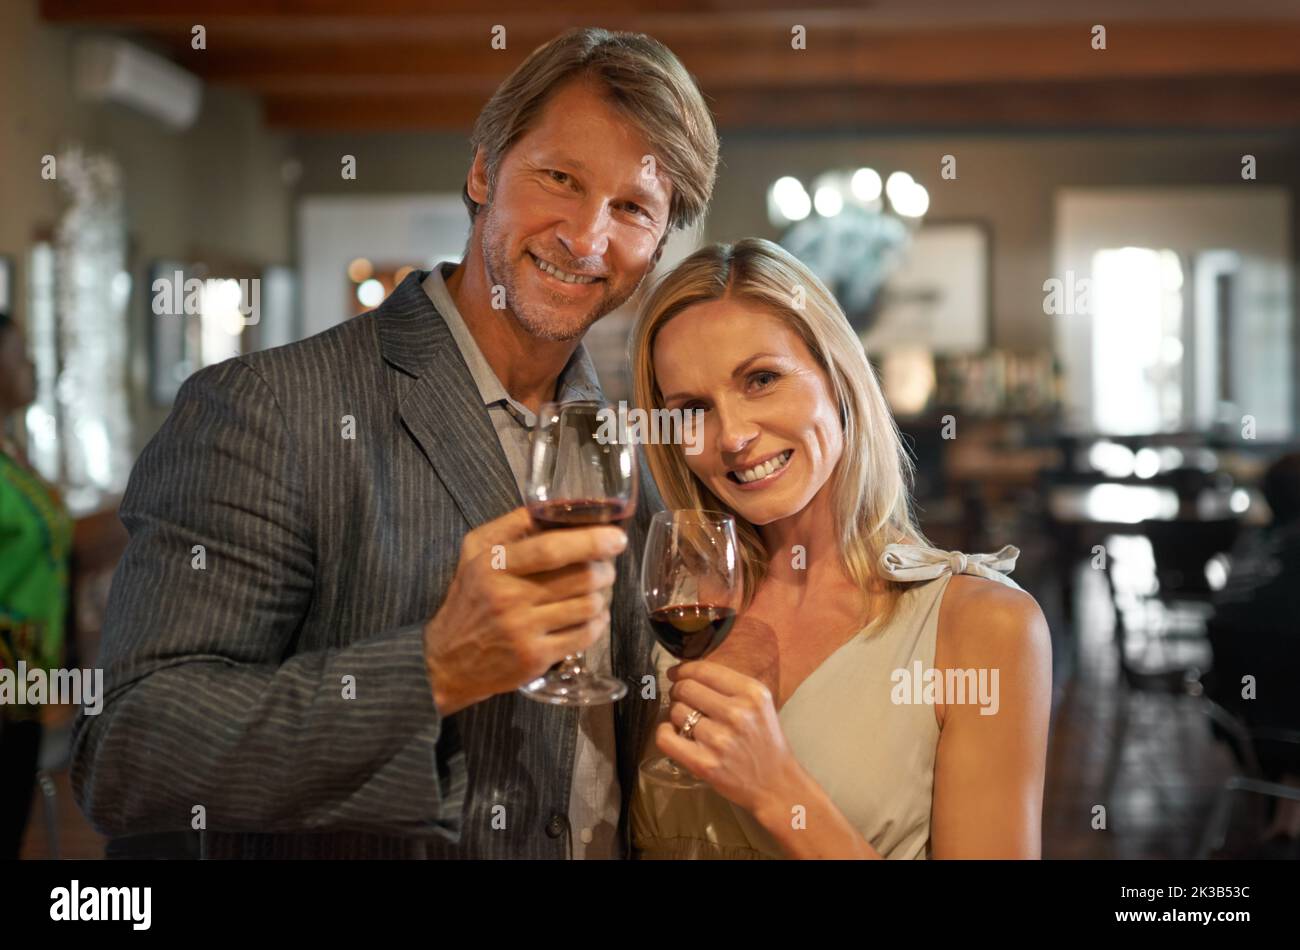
(227, 666)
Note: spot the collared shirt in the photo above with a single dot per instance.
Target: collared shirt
(594, 798)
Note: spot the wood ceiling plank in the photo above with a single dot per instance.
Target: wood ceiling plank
(739, 59)
(1230, 102)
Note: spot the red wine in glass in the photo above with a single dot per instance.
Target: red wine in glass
(691, 586)
(582, 512)
(691, 631)
(549, 515)
(578, 477)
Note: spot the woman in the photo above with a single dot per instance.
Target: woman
(35, 535)
(813, 724)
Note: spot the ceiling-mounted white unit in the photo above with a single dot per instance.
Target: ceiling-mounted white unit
(114, 70)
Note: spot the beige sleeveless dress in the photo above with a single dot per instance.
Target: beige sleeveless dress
(873, 757)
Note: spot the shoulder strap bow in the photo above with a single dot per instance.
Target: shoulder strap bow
(914, 562)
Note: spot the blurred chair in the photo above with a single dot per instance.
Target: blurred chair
(1260, 733)
(55, 756)
(1242, 739)
(98, 543)
(1181, 549)
(99, 540)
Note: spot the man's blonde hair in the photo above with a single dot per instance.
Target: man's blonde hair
(871, 484)
(643, 79)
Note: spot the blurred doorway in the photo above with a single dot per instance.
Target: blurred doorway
(1181, 315)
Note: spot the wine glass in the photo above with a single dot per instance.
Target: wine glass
(690, 582)
(578, 474)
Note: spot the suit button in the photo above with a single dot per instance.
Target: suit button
(555, 827)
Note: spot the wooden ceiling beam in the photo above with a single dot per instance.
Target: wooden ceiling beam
(884, 12)
(338, 64)
(1229, 103)
(734, 62)
(250, 40)
(308, 19)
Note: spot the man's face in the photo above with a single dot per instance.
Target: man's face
(576, 194)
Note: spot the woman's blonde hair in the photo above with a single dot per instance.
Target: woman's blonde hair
(871, 484)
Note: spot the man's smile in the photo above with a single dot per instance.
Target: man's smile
(563, 276)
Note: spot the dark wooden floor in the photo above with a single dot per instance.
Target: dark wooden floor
(1148, 759)
(76, 838)
(1166, 766)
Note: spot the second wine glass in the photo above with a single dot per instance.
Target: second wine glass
(691, 585)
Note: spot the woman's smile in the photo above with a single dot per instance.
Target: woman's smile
(763, 473)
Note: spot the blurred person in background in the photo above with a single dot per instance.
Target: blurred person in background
(1254, 633)
(35, 536)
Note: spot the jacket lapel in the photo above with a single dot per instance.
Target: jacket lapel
(441, 406)
(442, 409)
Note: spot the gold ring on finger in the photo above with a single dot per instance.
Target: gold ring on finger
(688, 727)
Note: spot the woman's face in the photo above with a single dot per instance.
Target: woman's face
(772, 433)
(17, 375)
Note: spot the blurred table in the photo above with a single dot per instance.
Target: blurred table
(1118, 507)
(1080, 515)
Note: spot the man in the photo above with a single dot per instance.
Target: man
(308, 650)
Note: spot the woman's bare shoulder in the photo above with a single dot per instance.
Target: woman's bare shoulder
(982, 622)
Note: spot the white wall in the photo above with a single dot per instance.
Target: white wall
(419, 229)
(213, 190)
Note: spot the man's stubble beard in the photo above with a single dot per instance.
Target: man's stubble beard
(496, 263)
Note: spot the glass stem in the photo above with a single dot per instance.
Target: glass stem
(665, 710)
